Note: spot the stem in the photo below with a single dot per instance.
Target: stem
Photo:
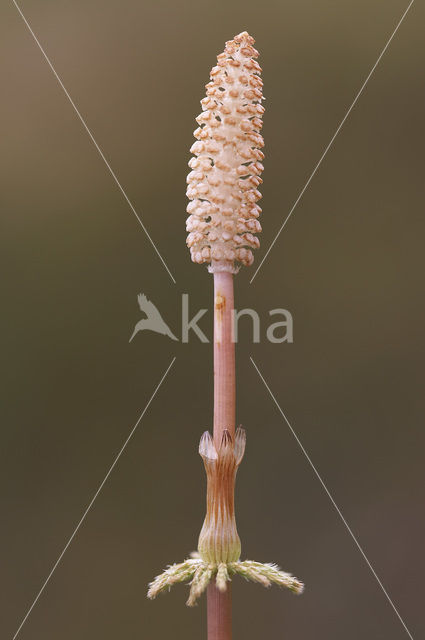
(224, 356)
(220, 604)
(219, 613)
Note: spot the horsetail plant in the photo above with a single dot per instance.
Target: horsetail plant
(222, 223)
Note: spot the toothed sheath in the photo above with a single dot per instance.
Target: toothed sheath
(219, 541)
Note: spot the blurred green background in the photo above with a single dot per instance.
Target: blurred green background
(349, 266)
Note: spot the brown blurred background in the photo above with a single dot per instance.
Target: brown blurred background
(349, 266)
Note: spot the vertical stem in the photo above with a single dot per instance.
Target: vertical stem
(220, 604)
(219, 607)
(224, 356)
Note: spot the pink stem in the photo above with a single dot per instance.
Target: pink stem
(219, 607)
(220, 604)
(224, 356)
